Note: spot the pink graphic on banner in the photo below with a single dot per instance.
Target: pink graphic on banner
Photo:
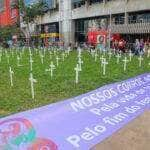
(16, 132)
(43, 144)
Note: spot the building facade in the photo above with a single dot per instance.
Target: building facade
(73, 18)
(8, 14)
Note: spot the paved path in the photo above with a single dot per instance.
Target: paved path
(134, 136)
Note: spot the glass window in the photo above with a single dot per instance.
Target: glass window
(142, 17)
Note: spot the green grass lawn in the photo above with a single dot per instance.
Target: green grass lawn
(62, 85)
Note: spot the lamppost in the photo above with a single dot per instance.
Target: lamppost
(110, 26)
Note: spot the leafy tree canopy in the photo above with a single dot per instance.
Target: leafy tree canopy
(30, 12)
(7, 32)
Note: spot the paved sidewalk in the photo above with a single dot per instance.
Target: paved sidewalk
(134, 136)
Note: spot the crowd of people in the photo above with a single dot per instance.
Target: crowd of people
(138, 47)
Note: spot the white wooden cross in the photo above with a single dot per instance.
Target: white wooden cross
(12, 53)
(130, 55)
(30, 53)
(10, 50)
(20, 54)
(96, 55)
(42, 58)
(104, 63)
(18, 61)
(7, 56)
(55, 52)
(80, 62)
(29, 48)
(6, 53)
(11, 76)
(0, 56)
(16, 51)
(44, 51)
(63, 56)
(66, 53)
(104, 51)
(77, 69)
(79, 52)
(93, 53)
(118, 58)
(36, 50)
(57, 61)
(68, 50)
(31, 63)
(110, 54)
(50, 55)
(125, 63)
(32, 81)
(114, 51)
(51, 68)
(102, 59)
(148, 53)
(140, 60)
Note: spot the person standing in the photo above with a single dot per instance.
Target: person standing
(137, 47)
(146, 47)
(116, 45)
(142, 46)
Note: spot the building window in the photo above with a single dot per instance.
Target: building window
(51, 4)
(50, 28)
(143, 17)
(118, 19)
(78, 3)
(95, 1)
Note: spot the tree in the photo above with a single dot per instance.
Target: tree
(8, 31)
(28, 13)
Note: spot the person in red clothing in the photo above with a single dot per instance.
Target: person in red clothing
(121, 45)
(115, 45)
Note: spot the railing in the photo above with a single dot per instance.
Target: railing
(140, 20)
(131, 28)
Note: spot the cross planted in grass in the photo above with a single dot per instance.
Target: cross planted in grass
(80, 62)
(51, 68)
(0, 56)
(104, 63)
(11, 76)
(32, 81)
(96, 56)
(110, 54)
(118, 58)
(31, 63)
(102, 59)
(140, 60)
(77, 70)
(57, 61)
(41, 57)
(130, 55)
(18, 61)
(125, 60)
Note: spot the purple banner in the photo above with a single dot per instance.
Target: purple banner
(80, 122)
